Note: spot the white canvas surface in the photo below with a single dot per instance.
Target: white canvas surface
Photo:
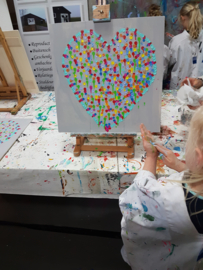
(72, 116)
(10, 130)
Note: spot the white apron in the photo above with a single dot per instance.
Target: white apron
(186, 58)
(166, 56)
(156, 228)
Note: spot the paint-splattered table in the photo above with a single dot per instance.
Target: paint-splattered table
(41, 161)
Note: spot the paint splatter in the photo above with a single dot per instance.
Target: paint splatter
(176, 123)
(109, 79)
(62, 184)
(43, 116)
(176, 148)
(160, 166)
(42, 128)
(165, 130)
(88, 163)
(130, 207)
(156, 194)
(8, 128)
(148, 217)
(172, 250)
(145, 207)
(81, 189)
(159, 229)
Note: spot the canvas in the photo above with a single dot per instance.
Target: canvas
(108, 76)
(10, 130)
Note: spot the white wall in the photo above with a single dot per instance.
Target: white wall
(5, 19)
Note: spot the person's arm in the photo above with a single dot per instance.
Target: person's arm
(195, 82)
(150, 164)
(151, 151)
(170, 159)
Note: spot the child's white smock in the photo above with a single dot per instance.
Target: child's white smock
(156, 228)
(166, 56)
(186, 56)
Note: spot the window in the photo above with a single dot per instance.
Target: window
(30, 21)
(64, 17)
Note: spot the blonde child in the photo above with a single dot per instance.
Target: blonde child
(194, 82)
(187, 47)
(162, 224)
(154, 10)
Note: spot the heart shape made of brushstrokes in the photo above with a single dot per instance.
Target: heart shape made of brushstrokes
(109, 79)
(7, 129)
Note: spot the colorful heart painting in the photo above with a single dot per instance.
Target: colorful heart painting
(109, 79)
(7, 130)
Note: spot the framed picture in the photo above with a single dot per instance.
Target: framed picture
(70, 12)
(33, 19)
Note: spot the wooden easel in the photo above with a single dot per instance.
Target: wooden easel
(101, 13)
(104, 148)
(18, 91)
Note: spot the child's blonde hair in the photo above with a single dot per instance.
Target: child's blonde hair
(192, 11)
(154, 10)
(195, 136)
(195, 139)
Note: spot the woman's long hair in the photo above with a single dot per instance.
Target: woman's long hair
(192, 11)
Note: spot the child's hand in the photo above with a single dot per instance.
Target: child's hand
(148, 141)
(170, 159)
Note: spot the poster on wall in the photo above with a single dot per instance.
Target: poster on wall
(34, 18)
(71, 13)
(108, 76)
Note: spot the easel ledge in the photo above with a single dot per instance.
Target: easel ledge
(100, 135)
(18, 91)
(129, 149)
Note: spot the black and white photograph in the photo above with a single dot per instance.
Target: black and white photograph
(33, 19)
(69, 13)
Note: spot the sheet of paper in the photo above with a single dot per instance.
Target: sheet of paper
(10, 130)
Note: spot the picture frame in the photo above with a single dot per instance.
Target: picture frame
(41, 21)
(65, 4)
